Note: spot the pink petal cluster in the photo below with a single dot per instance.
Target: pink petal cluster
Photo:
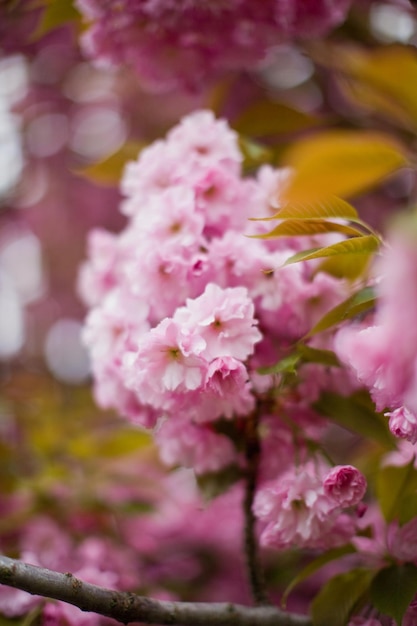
(95, 560)
(402, 423)
(345, 485)
(182, 311)
(187, 42)
(304, 506)
(384, 355)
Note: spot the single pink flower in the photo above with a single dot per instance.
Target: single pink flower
(403, 424)
(225, 319)
(345, 485)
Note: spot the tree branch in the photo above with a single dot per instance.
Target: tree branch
(128, 607)
(254, 567)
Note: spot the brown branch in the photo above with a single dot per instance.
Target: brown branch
(254, 567)
(128, 607)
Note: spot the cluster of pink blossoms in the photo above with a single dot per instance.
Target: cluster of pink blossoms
(304, 507)
(381, 353)
(150, 551)
(96, 560)
(183, 315)
(186, 42)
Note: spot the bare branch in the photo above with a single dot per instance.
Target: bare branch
(254, 566)
(128, 607)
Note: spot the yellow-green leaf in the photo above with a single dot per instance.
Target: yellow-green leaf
(123, 442)
(343, 266)
(395, 487)
(393, 588)
(299, 228)
(357, 414)
(271, 118)
(356, 304)
(108, 171)
(383, 79)
(340, 163)
(56, 14)
(316, 355)
(357, 245)
(302, 354)
(331, 207)
(254, 153)
(287, 365)
(338, 598)
(314, 566)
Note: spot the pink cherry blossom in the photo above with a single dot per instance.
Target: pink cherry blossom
(191, 311)
(193, 445)
(298, 512)
(384, 356)
(171, 217)
(207, 139)
(403, 424)
(171, 43)
(168, 359)
(225, 319)
(201, 152)
(14, 602)
(100, 274)
(345, 485)
(226, 391)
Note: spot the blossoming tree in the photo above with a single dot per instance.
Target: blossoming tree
(251, 322)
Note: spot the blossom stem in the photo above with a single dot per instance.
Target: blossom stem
(255, 571)
(129, 607)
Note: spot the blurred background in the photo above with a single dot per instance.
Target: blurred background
(67, 127)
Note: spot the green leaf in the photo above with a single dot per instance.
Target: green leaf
(339, 597)
(314, 566)
(56, 14)
(355, 413)
(340, 163)
(287, 365)
(297, 228)
(109, 171)
(393, 588)
(356, 245)
(315, 355)
(361, 301)
(302, 354)
(271, 118)
(396, 490)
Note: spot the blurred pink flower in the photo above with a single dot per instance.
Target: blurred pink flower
(298, 512)
(345, 485)
(189, 42)
(403, 424)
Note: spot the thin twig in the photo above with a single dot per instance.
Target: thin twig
(255, 571)
(128, 607)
